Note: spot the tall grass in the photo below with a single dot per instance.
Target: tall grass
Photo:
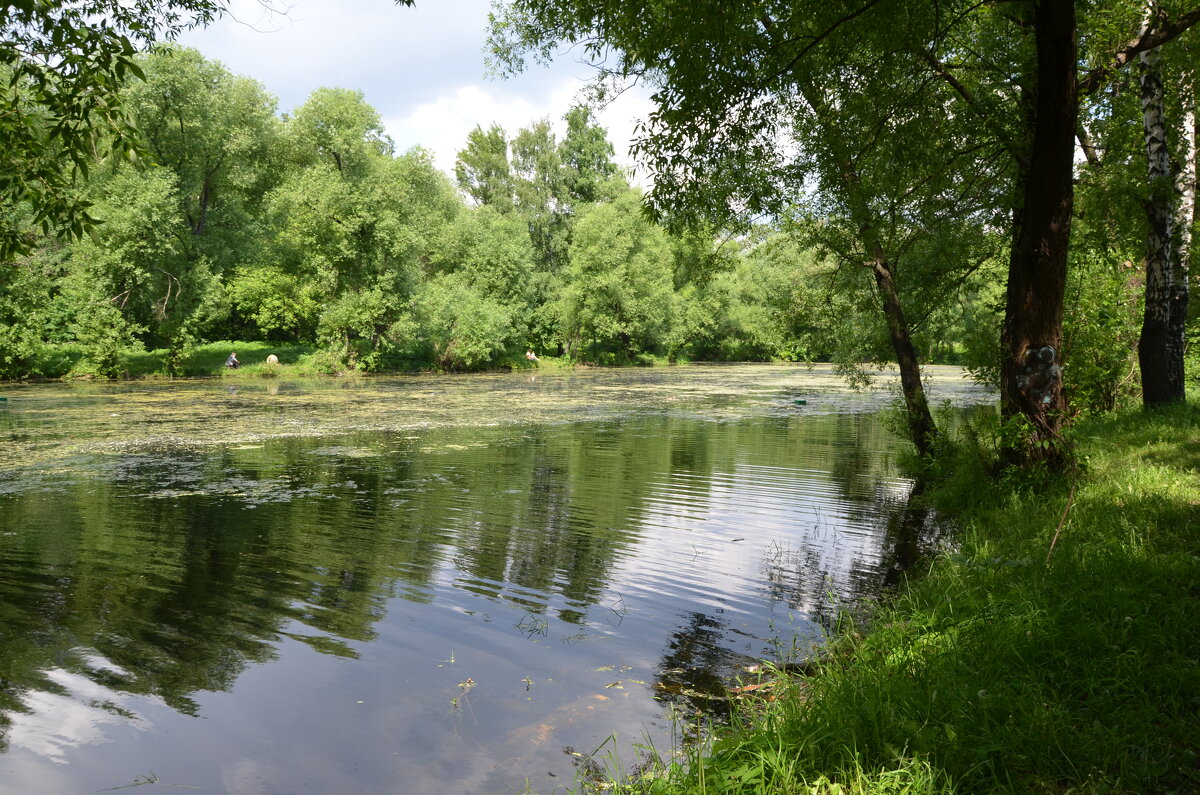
(1004, 668)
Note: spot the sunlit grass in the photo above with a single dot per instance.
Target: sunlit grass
(1007, 668)
(71, 361)
(209, 359)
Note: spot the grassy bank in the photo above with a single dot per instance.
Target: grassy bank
(208, 359)
(70, 361)
(1005, 667)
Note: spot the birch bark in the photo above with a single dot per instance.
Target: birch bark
(1156, 353)
(1185, 217)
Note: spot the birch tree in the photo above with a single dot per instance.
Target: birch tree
(1160, 353)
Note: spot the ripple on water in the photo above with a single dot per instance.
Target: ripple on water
(442, 581)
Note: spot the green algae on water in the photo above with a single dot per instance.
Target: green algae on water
(60, 432)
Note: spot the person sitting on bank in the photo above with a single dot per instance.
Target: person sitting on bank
(530, 355)
(232, 361)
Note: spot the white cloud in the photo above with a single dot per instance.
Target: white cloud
(51, 724)
(422, 68)
(443, 124)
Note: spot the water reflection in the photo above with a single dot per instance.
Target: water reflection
(409, 609)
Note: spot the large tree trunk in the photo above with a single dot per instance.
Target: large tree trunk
(1031, 383)
(1159, 356)
(920, 423)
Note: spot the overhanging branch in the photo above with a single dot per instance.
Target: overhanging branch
(942, 71)
(1148, 40)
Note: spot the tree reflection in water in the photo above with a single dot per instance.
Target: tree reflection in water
(678, 547)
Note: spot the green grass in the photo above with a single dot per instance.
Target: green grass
(1000, 670)
(55, 361)
(209, 359)
(70, 361)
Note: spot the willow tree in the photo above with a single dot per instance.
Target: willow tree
(897, 194)
(722, 73)
(349, 228)
(214, 131)
(63, 64)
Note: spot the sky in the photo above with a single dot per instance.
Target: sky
(421, 67)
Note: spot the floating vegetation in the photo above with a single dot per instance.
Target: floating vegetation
(60, 433)
(340, 451)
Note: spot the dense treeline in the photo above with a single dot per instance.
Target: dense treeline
(235, 222)
(238, 223)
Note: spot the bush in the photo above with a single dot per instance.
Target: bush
(459, 327)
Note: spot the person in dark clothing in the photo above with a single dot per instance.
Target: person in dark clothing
(232, 361)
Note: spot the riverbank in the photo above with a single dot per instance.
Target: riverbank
(70, 362)
(1056, 651)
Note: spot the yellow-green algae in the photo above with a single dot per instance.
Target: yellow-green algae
(60, 428)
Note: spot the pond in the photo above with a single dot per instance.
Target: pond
(426, 584)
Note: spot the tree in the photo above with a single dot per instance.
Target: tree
(125, 280)
(618, 286)
(492, 250)
(1161, 345)
(725, 79)
(462, 326)
(903, 204)
(337, 126)
(213, 129)
(32, 311)
(1185, 210)
(62, 65)
(482, 168)
(1154, 170)
(540, 192)
(586, 156)
(757, 299)
(352, 227)
(749, 136)
(215, 132)
(1041, 148)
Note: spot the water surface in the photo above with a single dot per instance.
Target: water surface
(421, 584)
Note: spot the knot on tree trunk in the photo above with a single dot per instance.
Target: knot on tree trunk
(1038, 374)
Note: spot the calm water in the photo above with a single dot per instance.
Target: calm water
(419, 585)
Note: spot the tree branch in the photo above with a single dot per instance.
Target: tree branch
(821, 37)
(1089, 148)
(942, 71)
(1145, 41)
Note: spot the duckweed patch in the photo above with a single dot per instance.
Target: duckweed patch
(57, 432)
